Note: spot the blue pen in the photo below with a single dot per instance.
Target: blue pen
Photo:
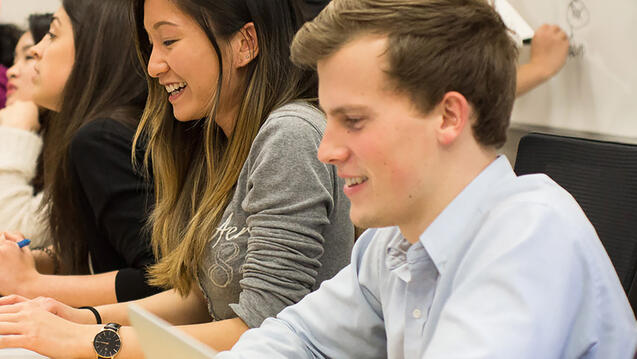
(24, 242)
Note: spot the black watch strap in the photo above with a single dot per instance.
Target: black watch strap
(112, 326)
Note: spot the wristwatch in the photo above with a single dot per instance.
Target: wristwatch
(107, 343)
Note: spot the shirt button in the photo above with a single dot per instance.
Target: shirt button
(416, 313)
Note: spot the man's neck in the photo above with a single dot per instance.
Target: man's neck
(453, 180)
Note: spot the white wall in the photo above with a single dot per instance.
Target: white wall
(17, 11)
(596, 92)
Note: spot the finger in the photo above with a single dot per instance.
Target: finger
(12, 341)
(6, 243)
(12, 299)
(48, 304)
(13, 236)
(9, 318)
(7, 247)
(7, 238)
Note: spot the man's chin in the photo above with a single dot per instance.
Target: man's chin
(363, 220)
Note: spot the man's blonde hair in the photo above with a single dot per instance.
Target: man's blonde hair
(434, 46)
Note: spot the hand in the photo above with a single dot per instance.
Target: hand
(45, 260)
(27, 325)
(549, 49)
(80, 316)
(17, 267)
(22, 115)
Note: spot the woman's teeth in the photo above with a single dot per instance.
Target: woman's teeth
(175, 87)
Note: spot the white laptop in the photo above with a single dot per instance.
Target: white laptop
(19, 354)
(160, 340)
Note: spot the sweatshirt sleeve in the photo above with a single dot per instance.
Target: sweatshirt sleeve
(19, 206)
(288, 202)
(119, 199)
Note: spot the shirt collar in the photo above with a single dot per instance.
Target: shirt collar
(396, 256)
(454, 226)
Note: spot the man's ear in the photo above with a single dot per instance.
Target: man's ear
(456, 111)
(245, 45)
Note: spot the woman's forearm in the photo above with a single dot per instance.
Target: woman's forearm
(221, 335)
(73, 290)
(168, 305)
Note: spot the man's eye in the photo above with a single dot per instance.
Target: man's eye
(352, 122)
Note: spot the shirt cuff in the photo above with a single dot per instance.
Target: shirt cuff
(130, 284)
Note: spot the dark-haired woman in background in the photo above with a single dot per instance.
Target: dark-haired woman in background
(9, 36)
(247, 219)
(21, 123)
(87, 72)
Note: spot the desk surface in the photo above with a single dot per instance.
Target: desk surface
(19, 354)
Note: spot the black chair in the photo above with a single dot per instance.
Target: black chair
(602, 176)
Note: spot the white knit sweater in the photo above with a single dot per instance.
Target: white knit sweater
(19, 208)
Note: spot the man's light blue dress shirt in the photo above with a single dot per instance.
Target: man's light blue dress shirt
(510, 269)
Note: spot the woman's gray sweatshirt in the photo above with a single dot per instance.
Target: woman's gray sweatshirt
(286, 228)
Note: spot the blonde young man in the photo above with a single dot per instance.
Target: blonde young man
(467, 260)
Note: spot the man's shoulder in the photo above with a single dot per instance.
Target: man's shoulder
(533, 220)
(538, 225)
(528, 215)
(539, 194)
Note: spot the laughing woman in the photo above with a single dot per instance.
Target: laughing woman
(247, 219)
(87, 72)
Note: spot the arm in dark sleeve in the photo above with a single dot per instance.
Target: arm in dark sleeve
(119, 198)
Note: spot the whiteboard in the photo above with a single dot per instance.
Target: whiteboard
(595, 91)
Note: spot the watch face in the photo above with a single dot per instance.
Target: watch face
(107, 343)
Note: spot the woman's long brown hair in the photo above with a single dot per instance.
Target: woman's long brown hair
(106, 81)
(195, 165)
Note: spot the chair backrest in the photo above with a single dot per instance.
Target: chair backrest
(602, 176)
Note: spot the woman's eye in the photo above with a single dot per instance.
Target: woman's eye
(29, 57)
(51, 35)
(169, 42)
